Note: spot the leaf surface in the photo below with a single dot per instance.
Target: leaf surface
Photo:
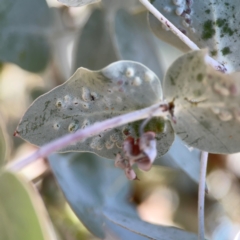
(22, 215)
(134, 41)
(23, 38)
(98, 193)
(91, 96)
(212, 24)
(206, 103)
(77, 3)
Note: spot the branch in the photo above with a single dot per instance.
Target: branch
(180, 35)
(159, 109)
(201, 195)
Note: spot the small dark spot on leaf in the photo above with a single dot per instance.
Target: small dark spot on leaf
(208, 30)
(199, 77)
(226, 51)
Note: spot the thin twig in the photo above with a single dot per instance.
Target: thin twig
(180, 35)
(95, 129)
(201, 196)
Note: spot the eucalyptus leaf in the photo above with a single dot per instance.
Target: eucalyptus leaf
(94, 48)
(134, 41)
(23, 38)
(213, 24)
(92, 96)
(206, 103)
(98, 193)
(180, 156)
(22, 214)
(77, 3)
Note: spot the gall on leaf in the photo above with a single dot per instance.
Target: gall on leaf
(142, 151)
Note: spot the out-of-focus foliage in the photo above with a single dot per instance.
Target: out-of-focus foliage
(3, 147)
(94, 48)
(181, 156)
(98, 193)
(21, 212)
(23, 38)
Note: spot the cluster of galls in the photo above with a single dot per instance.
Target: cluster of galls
(141, 151)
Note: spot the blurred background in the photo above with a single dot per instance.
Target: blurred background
(165, 195)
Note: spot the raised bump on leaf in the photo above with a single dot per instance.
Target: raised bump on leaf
(206, 104)
(77, 3)
(93, 96)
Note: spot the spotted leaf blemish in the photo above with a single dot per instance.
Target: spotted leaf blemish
(226, 51)
(208, 30)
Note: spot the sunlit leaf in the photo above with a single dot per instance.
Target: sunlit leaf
(206, 103)
(98, 193)
(92, 96)
(212, 24)
(23, 38)
(134, 40)
(180, 156)
(77, 3)
(22, 213)
(94, 48)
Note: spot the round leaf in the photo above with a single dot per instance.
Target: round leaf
(91, 96)
(206, 103)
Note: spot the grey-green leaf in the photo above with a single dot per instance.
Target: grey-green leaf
(23, 38)
(134, 41)
(77, 3)
(206, 102)
(94, 48)
(22, 214)
(91, 96)
(212, 24)
(98, 193)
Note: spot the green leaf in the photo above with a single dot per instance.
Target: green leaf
(93, 96)
(182, 157)
(98, 193)
(77, 3)
(22, 213)
(3, 145)
(206, 103)
(94, 48)
(212, 24)
(134, 41)
(23, 38)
